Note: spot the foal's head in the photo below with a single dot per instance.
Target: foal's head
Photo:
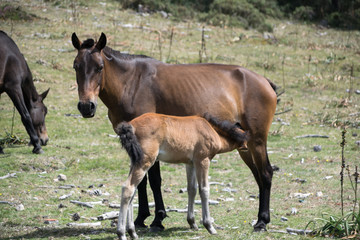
(88, 65)
(38, 112)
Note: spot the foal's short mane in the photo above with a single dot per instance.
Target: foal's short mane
(89, 43)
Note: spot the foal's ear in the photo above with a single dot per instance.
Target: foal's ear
(75, 41)
(44, 94)
(101, 43)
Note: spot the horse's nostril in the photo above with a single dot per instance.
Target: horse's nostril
(79, 106)
(92, 106)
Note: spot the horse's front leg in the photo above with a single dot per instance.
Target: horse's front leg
(155, 184)
(17, 98)
(202, 169)
(143, 211)
(191, 188)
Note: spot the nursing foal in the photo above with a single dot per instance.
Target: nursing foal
(192, 140)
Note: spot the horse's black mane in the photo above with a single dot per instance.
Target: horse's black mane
(89, 43)
(124, 56)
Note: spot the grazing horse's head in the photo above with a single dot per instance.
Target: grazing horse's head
(88, 65)
(38, 112)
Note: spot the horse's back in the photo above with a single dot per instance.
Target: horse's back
(225, 91)
(12, 63)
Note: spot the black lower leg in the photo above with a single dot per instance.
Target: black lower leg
(143, 212)
(155, 184)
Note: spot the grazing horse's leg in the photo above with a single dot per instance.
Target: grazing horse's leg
(191, 188)
(130, 227)
(258, 162)
(144, 211)
(17, 98)
(202, 170)
(136, 174)
(155, 184)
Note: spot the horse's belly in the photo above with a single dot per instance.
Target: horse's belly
(173, 156)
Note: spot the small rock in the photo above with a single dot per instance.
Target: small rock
(317, 148)
(328, 177)
(284, 219)
(293, 211)
(354, 134)
(91, 186)
(51, 221)
(319, 194)
(61, 206)
(75, 217)
(357, 91)
(183, 190)
(62, 177)
(168, 190)
(357, 143)
(229, 184)
(101, 185)
(20, 207)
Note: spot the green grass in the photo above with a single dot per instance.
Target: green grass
(83, 151)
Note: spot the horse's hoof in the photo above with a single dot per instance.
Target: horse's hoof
(133, 235)
(260, 227)
(38, 151)
(212, 230)
(194, 227)
(155, 229)
(121, 236)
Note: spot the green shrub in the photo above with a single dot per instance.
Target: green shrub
(304, 13)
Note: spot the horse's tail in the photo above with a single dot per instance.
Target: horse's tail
(229, 128)
(130, 142)
(275, 88)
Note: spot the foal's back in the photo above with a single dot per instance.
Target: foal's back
(176, 139)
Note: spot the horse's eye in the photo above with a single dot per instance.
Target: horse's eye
(76, 66)
(99, 68)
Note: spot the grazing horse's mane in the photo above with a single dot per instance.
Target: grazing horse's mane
(89, 43)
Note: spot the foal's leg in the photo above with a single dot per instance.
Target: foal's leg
(155, 184)
(17, 98)
(191, 188)
(128, 191)
(258, 161)
(202, 170)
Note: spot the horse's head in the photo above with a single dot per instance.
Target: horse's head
(88, 65)
(38, 112)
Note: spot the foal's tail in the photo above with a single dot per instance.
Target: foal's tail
(229, 128)
(129, 141)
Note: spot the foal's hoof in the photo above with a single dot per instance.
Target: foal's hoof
(155, 229)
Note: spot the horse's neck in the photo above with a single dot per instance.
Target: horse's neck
(29, 90)
(113, 87)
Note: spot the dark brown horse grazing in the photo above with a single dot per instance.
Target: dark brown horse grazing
(131, 85)
(16, 80)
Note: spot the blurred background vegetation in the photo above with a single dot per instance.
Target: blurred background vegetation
(253, 13)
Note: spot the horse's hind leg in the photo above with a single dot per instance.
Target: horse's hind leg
(202, 169)
(136, 174)
(191, 189)
(155, 184)
(258, 161)
(17, 98)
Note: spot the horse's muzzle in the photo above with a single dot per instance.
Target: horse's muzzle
(87, 109)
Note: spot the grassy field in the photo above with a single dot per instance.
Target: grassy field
(312, 64)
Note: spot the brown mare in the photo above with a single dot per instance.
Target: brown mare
(130, 85)
(16, 80)
(191, 140)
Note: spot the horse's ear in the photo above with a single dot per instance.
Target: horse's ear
(44, 94)
(101, 43)
(75, 41)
